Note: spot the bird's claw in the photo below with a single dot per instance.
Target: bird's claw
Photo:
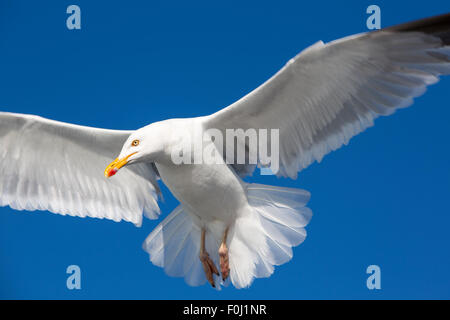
(224, 261)
(209, 268)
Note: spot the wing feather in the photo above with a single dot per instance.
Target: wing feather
(331, 92)
(55, 166)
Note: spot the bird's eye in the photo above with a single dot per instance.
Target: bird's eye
(135, 143)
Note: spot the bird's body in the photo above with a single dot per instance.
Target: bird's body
(190, 183)
(213, 198)
(316, 103)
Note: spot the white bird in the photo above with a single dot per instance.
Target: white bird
(323, 97)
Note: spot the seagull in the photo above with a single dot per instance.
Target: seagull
(225, 230)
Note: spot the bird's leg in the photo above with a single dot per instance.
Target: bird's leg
(208, 264)
(223, 254)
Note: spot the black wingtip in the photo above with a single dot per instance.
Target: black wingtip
(438, 26)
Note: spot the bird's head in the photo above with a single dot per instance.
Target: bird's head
(145, 144)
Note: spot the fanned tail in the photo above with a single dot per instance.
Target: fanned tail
(264, 237)
(261, 238)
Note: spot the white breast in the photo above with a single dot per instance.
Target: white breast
(207, 191)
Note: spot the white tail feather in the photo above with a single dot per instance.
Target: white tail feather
(264, 237)
(260, 239)
(175, 245)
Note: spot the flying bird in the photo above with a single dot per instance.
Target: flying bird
(225, 229)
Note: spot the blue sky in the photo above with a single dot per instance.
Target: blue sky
(382, 200)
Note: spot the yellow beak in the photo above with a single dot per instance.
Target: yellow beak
(114, 166)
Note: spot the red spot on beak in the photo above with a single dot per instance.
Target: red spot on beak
(112, 171)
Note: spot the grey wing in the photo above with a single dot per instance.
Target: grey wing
(331, 92)
(55, 166)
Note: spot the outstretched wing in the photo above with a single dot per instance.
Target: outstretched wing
(55, 166)
(331, 92)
